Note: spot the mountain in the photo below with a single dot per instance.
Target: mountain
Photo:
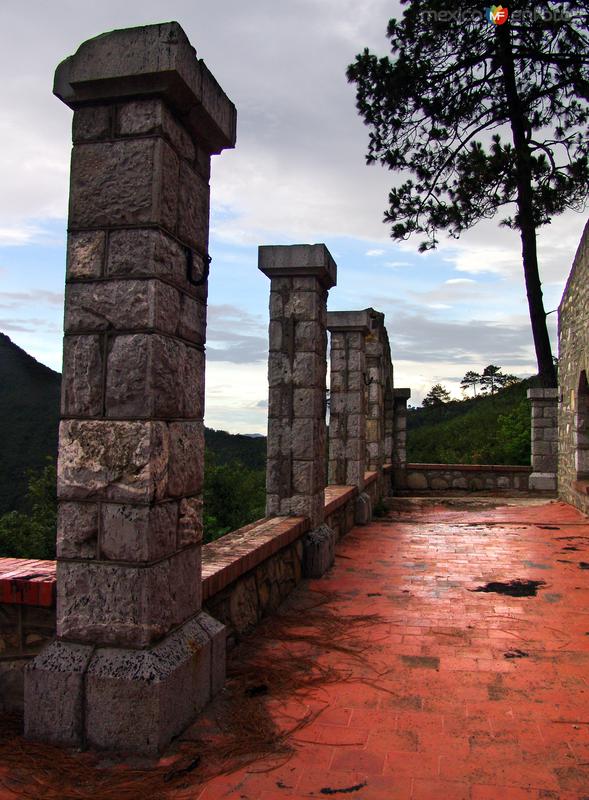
(29, 416)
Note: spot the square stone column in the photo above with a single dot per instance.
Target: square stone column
(544, 439)
(376, 376)
(347, 405)
(135, 657)
(300, 276)
(400, 399)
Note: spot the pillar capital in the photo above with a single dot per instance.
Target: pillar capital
(342, 321)
(402, 394)
(150, 61)
(298, 260)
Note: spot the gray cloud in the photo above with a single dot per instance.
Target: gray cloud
(34, 297)
(28, 325)
(235, 335)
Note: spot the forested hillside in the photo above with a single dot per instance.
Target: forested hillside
(489, 429)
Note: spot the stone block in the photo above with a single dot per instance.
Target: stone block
(308, 370)
(149, 375)
(85, 254)
(124, 305)
(10, 639)
(125, 182)
(91, 123)
(308, 438)
(309, 403)
(127, 606)
(362, 509)
(151, 253)
(193, 208)
(12, 685)
(304, 505)
(277, 261)
(119, 461)
(439, 484)
(54, 694)
(217, 634)
(81, 386)
(138, 533)
(542, 482)
(193, 320)
(416, 480)
(151, 116)
(318, 551)
(310, 337)
(186, 466)
(190, 529)
(77, 530)
(308, 477)
(156, 693)
(244, 611)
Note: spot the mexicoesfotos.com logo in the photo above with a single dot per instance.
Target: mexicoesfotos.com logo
(496, 14)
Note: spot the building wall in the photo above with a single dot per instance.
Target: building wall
(573, 413)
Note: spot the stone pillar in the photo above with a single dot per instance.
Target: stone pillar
(135, 657)
(347, 408)
(544, 439)
(301, 276)
(375, 390)
(400, 398)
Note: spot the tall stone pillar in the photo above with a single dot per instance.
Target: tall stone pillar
(135, 657)
(300, 276)
(347, 408)
(544, 439)
(400, 399)
(375, 351)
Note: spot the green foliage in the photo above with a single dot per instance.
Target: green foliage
(473, 379)
(229, 447)
(483, 430)
(436, 396)
(29, 416)
(32, 534)
(234, 495)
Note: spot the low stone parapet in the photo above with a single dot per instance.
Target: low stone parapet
(427, 478)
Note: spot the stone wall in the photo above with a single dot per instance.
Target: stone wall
(573, 371)
(425, 478)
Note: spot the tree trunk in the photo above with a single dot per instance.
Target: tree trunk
(525, 211)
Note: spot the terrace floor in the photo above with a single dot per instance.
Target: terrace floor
(389, 678)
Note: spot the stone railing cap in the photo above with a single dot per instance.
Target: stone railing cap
(543, 394)
(402, 394)
(152, 60)
(286, 261)
(348, 321)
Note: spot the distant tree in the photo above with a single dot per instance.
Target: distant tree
(471, 379)
(493, 379)
(482, 116)
(234, 495)
(436, 396)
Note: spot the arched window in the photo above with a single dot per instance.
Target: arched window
(582, 429)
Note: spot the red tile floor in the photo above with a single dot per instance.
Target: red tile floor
(390, 678)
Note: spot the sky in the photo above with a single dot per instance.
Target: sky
(297, 175)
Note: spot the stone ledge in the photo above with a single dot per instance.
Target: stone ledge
(370, 477)
(27, 582)
(337, 496)
(470, 467)
(240, 551)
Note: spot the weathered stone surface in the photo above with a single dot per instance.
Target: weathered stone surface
(122, 305)
(12, 685)
(81, 385)
(276, 261)
(54, 694)
(193, 208)
(149, 375)
(543, 482)
(127, 606)
(190, 521)
(77, 530)
(156, 692)
(152, 116)
(85, 254)
(217, 634)
(186, 465)
(153, 60)
(121, 461)
(92, 123)
(113, 183)
(138, 533)
(318, 551)
(362, 509)
(416, 480)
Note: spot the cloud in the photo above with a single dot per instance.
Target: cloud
(235, 335)
(459, 281)
(29, 325)
(375, 252)
(34, 297)
(395, 264)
